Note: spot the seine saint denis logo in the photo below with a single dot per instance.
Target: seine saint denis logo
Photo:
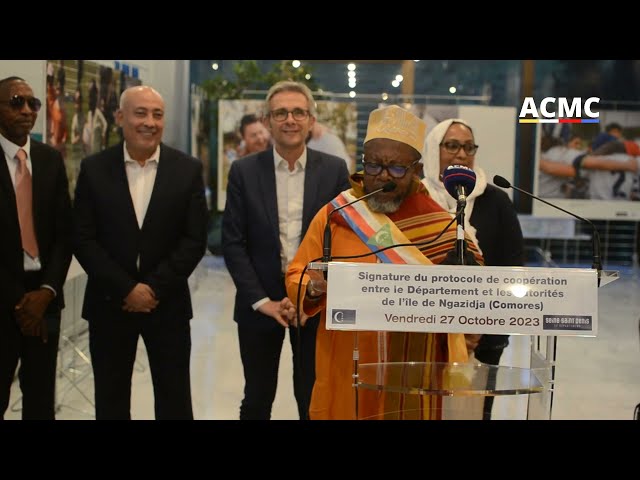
(559, 110)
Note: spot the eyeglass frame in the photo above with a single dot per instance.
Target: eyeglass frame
(17, 102)
(280, 111)
(387, 167)
(460, 146)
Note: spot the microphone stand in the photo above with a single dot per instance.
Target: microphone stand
(595, 238)
(461, 244)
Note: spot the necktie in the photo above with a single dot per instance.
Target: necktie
(24, 202)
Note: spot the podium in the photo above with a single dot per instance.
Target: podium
(449, 391)
(388, 300)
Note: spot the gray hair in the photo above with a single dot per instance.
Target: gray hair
(291, 86)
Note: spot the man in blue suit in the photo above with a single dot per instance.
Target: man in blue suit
(271, 198)
(140, 231)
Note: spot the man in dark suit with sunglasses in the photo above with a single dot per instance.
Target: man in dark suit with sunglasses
(35, 253)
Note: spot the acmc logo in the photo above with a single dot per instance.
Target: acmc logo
(566, 112)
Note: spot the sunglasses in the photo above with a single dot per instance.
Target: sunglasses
(17, 102)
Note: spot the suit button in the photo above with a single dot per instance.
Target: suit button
(107, 298)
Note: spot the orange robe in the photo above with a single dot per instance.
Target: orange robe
(333, 394)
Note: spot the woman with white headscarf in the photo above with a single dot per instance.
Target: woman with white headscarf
(490, 217)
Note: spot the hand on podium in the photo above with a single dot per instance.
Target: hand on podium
(317, 285)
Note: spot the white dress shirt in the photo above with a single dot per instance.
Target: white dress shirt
(290, 196)
(141, 179)
(10, 150)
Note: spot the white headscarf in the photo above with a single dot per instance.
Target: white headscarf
(431, 159)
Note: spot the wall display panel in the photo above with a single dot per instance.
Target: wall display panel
(606, 187)
(494, 130)
(200, 126)
(81, 101)
(340, 118)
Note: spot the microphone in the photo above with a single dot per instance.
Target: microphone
(597, 252)
(459, 181)
(326, 241)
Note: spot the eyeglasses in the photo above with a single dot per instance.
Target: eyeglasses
(281, 114)
(394, 171)
(17, 102)
(454, 147)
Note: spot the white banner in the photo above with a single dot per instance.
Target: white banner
(462, 298)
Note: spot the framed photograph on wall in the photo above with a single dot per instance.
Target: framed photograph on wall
(590, 169)
(241, 132)
(81, 100)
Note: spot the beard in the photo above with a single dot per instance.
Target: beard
(384, 206)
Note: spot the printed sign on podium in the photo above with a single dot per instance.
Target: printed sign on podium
(462, 299)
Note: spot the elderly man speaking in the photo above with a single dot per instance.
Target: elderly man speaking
(392, 147)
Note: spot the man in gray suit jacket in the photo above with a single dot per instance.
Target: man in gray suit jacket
(271, 198)
(140, 231)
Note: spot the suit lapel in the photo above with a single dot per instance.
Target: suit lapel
(311, 175)
(267, 184)
(6, 184)
(39, 178)
(10, 225)
(166, 169)
(118, 175)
